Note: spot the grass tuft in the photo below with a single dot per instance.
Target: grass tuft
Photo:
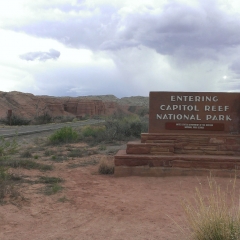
(26, 154)
(52, 189)
(50, 180)
(6, 184)
(105, 167)
(215, 217)
(89, 162)
(26, 163)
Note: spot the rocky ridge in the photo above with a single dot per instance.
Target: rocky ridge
(28, 105)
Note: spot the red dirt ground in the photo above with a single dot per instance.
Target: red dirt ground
(100, 207)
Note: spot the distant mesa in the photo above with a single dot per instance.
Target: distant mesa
(29, 106)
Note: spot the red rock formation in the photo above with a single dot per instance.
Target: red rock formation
(30, 106)
(86, 107)
(71, 107)
(56, 109)
(94, 107)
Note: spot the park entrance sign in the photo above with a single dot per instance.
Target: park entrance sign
(190, 133)
(194, 112)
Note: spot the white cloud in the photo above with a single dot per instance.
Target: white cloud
(41, 56)
(126, 47)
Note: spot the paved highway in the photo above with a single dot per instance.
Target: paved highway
(10, 131)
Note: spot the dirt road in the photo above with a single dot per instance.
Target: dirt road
(10, 131)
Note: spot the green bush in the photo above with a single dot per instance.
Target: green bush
(77, 153)
(26, 163)
(52, 188)
(49, 152)
(43, 119)
(64, 135)
(15, 120)
(26, 154)
(215, 217)
(7, 187)
(7, 147)
(116, 128)
(92, 131)
(143, 111)
(50, 180)
(132, 109)
(63, 119)
(128, 126)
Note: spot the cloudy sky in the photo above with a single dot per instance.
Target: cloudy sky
(120, 47)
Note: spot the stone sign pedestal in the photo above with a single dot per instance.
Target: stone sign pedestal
(192, 137)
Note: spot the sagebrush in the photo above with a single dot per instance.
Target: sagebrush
(64, 135)
(116, 128)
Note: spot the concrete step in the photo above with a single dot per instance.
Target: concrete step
(164, 148)
(177, 160)
(137, 147)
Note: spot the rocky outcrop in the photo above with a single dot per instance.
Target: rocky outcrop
(29, 106)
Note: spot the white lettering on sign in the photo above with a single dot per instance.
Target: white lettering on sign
(215, 108)
(218, 117)
(208, 108)
(179, 107)
(178, 117)
(194, 98)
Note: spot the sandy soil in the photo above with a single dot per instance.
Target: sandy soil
(93, 206)
(100, 207)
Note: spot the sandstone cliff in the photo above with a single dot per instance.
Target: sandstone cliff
(29, 106)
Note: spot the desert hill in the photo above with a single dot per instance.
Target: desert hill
(29, 106)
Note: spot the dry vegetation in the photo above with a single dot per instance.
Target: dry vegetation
(29, 168)
(66, 145)
(215, 216)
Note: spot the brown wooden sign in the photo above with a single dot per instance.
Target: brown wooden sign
(194, 112)
(194, 126)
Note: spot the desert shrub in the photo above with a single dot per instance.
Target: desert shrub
(81, 153)
(15, 120)
(7, 147)
(63, 119)
(50, 180)
(59, 158)
(52, 188)
(85, 163)
(26, 154)
(132, 109)
(105, 167)
(49, 152)
(102, 147)
(143, 111)
(92, 131)
(215, 217)
(26, 163)
(43, 119)
(64, 135)
(6, 186)
(116, 128)
(3, 173)
(128, 126)
(77, 153)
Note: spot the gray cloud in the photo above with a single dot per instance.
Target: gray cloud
(189, 32)
(235, 66)
(75, 81)
(41, 56)
(179, 30)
